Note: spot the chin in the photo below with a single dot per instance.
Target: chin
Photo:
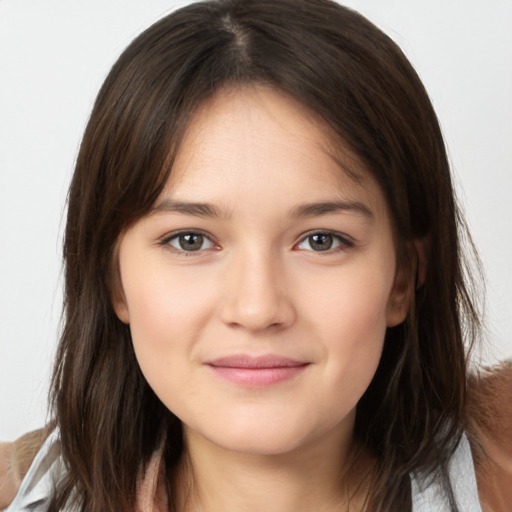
(274, 435)
(260, 443)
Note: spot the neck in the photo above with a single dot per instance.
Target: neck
(312, 477)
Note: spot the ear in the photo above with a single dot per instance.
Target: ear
(117, 296)
(421, 265)
(407, 280)
(120, 306)
(400, 298)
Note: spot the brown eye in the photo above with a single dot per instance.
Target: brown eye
(190, 242)
(321, 242)
(324, 241)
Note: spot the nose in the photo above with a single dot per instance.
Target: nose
(256, 296)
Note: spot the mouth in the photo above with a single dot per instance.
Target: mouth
(259, 371)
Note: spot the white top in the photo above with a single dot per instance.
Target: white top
(427, 496)
(431, 498)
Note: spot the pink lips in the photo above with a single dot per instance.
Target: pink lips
(257, 371)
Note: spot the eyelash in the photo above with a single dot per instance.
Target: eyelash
(166, 241)
(343, 240)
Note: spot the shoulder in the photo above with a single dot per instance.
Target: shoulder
(15, 460)
(489, 430)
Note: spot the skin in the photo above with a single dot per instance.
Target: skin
(257, 286)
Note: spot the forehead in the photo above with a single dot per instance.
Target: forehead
(250, 140)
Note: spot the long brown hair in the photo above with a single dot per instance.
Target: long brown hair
(354, 78)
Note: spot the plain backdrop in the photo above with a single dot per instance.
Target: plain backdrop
(54, 55)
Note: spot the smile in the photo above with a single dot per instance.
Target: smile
(257, 371)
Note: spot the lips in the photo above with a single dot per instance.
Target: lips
(257, 371)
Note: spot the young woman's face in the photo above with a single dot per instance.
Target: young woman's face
(259, 288)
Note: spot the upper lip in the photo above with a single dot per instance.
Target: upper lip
(254, 362)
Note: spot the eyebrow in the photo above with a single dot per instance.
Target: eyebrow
(304, 210)
(189, 208)
(324, 208)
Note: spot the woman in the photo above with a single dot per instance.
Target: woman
(265, 294)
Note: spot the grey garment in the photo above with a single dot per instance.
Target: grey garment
(427, 496)
(46, 469)
(431, 498)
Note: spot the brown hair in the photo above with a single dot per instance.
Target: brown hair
(354, 78)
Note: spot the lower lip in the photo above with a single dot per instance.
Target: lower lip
(258, 377)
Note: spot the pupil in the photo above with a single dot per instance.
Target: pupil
(321, 242)
(191, 242)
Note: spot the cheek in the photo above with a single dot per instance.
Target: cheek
(162, 302)
(166, 314)
(351, 302)
(350, 318)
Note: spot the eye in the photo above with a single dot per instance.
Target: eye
(189, 241)
(323, 241)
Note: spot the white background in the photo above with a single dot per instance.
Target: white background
(54, 55)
